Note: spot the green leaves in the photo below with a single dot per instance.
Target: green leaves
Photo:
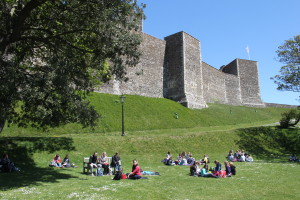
(50, 50)
(289, 77)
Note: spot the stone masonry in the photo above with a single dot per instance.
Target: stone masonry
(172, 68)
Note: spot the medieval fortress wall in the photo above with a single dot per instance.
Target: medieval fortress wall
(172, 68)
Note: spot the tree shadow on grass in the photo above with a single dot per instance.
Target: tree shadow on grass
(269, 142)
(21, 150)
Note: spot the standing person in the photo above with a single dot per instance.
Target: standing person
(103, 160)
(116, 162)
(93, 162)
(136, 171)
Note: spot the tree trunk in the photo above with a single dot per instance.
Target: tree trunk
(2, 124)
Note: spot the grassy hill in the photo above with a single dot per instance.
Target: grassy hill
(143, 113)
(152, 131)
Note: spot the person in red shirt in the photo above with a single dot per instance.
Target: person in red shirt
(56, 162)
(136, 171)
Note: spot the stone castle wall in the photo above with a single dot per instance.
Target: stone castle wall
(172, 68)
(145, 79)
(215, 85)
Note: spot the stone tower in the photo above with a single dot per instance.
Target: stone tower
(183, 70)
(248, 81)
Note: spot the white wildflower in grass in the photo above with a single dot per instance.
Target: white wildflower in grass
(74, 194)
(28, 190)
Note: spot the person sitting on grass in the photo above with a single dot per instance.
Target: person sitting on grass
(237, 155)
(293, 158)
(232, 168)
(218, 166)
(183, 159)
(205, 159)
(67, 163)
(205, 173)
(7, 164)
(190, 160)
(249, 158)
(170, 161)
(56, 162)
(179, 159)
(135, 172)
(227, 169)
(242, 158)
(195, 169)
(168, 156)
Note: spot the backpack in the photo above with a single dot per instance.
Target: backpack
(118, 175)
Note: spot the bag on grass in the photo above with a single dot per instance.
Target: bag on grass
(118, 175)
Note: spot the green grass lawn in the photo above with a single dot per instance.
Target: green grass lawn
(152, 131)
(273, 178)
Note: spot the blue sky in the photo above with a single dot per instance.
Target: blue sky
(225, 28)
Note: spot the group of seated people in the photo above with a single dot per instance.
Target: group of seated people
(58, 162)
(102, 162)
(293, 158)
(6, 165)
(239, 156)
(215, 172)
(195, 165)
(184, 159)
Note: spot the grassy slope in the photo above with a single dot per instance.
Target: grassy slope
(152, 130)
(142, 113)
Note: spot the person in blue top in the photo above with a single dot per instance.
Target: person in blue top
(205, 173)
(218, 166)
(227, 168)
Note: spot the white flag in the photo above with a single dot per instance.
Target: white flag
(248, 52)
(247, 49)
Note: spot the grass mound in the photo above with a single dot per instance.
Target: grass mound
(144, 113)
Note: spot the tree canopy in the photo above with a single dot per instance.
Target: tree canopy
(289, 54)
(52, 51)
